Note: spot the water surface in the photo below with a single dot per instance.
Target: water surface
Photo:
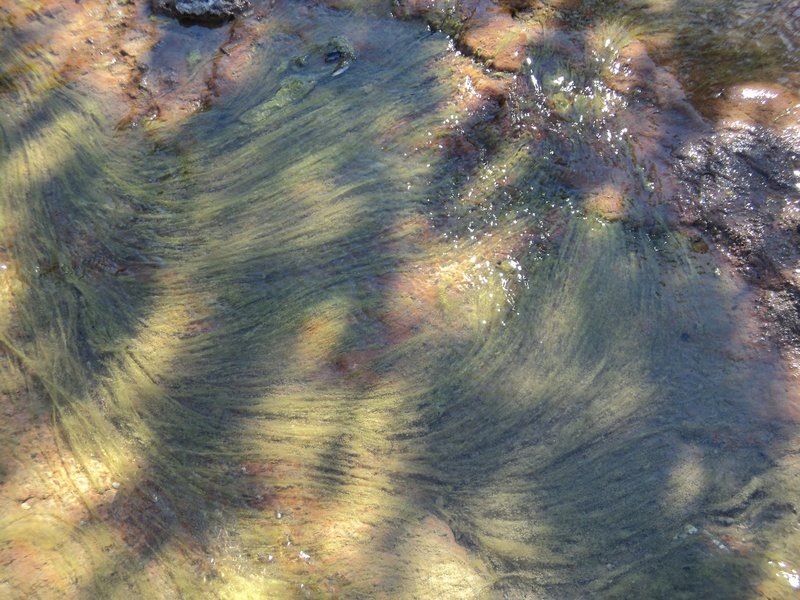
(304, 345)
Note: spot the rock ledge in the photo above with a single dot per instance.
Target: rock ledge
(205, 11)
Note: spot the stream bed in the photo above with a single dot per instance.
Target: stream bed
(370, 300)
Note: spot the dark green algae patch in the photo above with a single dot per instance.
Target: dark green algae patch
(299, 350)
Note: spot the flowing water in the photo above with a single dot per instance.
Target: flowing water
(297, 345)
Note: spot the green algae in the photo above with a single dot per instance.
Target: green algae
(291, 90)
(218, 317)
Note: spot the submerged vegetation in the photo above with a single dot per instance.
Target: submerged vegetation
(374, 319)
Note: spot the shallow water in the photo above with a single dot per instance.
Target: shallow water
(298, 346)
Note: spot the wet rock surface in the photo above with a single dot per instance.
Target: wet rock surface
(202, 10)
(741, 187)
(150, 68)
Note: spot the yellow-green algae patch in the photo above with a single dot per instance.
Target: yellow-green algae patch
(283, 352)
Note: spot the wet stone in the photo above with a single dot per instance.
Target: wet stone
(340, 50)
(201, 10)
(740, 188)
(699, 245)
(500, 39)
(608, 204)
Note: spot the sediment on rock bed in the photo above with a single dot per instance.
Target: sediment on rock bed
(427, 328)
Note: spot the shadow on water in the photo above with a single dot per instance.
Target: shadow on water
(70, 225)
(289, 427)
(620, 416)
(608, 431)
(294, 238)
(76, 285)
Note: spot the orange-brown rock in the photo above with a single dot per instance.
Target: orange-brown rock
(768, 104)
(607, 204)
(499, 40)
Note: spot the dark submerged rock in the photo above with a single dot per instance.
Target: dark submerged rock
(741, 187)
(203, 11)
(341, 51)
